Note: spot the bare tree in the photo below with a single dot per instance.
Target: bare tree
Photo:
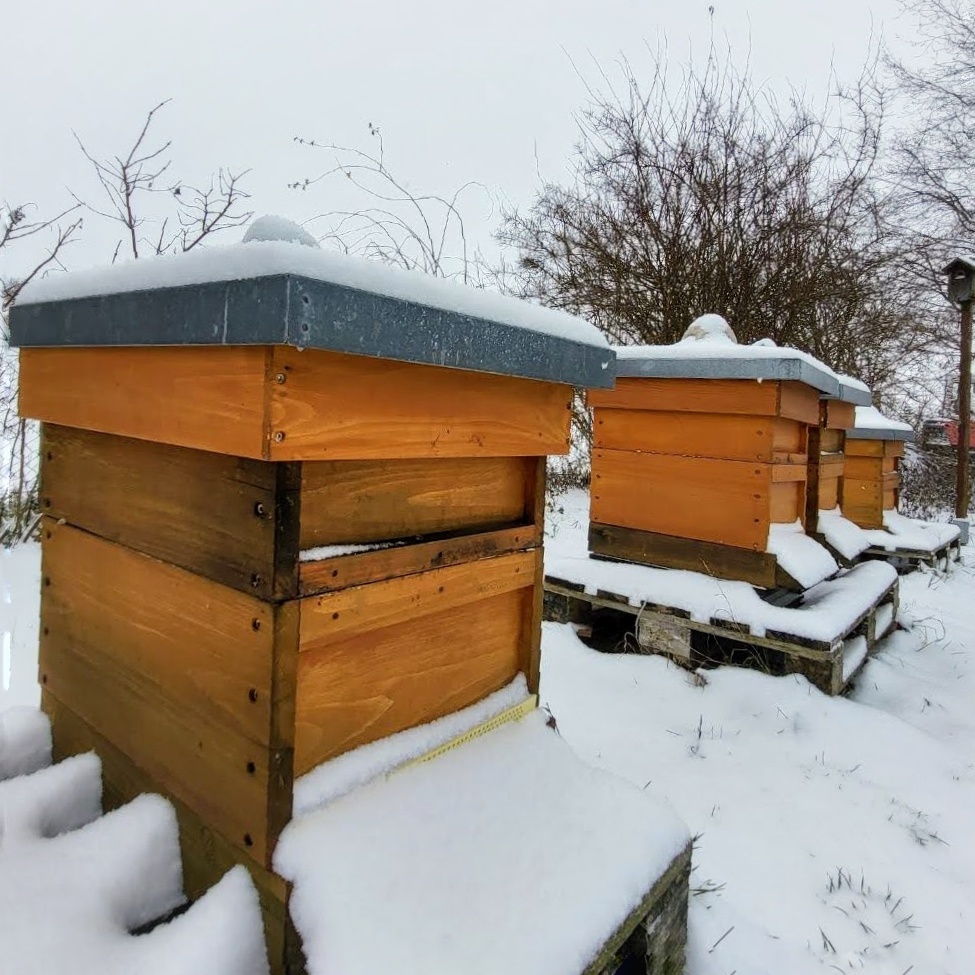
(709, 195)
(393, 223)
(131, 185)
(38, 244)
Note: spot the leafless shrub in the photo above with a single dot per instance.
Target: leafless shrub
(417, 231)
(711, 196)
(158, 214)
(130, 189)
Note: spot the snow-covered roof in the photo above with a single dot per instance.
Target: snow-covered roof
(281, 291)
(853, 390)
(710, 352)
(871, 424)
(506, 854)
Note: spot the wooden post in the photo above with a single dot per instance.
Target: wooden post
(962, 487)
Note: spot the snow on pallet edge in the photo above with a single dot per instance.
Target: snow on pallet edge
(507, 854)
(93, 878)
(911, 535)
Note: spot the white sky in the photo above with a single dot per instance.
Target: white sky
(460, 91)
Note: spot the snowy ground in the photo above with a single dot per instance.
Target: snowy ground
(833, 834)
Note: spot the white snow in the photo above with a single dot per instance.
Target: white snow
(272, 227)
(911, 534)
(342, 775)
(813, 814)
(20, 598)
(710, 328)
(713, 345)
(855, 651)
(334, 551)
(507, 854)
(801, 556)
(832, 836)
(74, 884)
(260, 258)
(828, 609)
(871, 418)
(25, 741)
(841, 534)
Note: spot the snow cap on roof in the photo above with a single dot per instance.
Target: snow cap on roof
(871, 424)
(279, 288)
(710, 350)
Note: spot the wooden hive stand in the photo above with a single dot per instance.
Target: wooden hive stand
(283, 517)
(695, 456)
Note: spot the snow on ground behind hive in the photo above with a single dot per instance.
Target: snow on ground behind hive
(810, 811)
(505, 855)
(20, 588)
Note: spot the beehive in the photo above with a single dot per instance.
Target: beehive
(827, 448)
(874, 449)
(286, 514)
(699, 449)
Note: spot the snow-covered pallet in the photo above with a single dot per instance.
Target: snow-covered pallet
(829, 658)
(907, 559)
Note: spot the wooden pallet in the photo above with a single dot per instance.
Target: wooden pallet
(908, 559)
(670, 631)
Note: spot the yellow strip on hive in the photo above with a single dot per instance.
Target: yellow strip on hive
(514, 713)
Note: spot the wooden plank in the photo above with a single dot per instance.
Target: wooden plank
(206, 854)
(797, 401)
(697, 498)
(367, 501)
(334, 616)
(340, 572)
(789, 436)
(813, 486)
(743, 397)
(889, 465)
(831, 441)
(838, 415)
(857, 468)
(787, 503)
(723, 436)
(207, 512)
(862, 502)
(530, 639)
(339, 407)
(177, 671)
(782, 473)
(207, 397)
(865, 448)
(829, 493)
(649, 548)
(893, 448)
(370, 685)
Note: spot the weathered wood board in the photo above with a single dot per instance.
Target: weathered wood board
(276, 403)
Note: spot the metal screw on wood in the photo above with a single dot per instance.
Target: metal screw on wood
(279, 436)
(259, 509)
(280, 377)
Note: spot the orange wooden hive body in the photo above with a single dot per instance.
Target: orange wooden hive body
(206, 626)
(872, 482)
(694, 459)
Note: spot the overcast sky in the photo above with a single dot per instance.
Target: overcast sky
(460, 91)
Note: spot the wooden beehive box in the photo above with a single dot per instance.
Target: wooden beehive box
(698, 451)
(827, 448)
(284, 516)
(871, 485)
